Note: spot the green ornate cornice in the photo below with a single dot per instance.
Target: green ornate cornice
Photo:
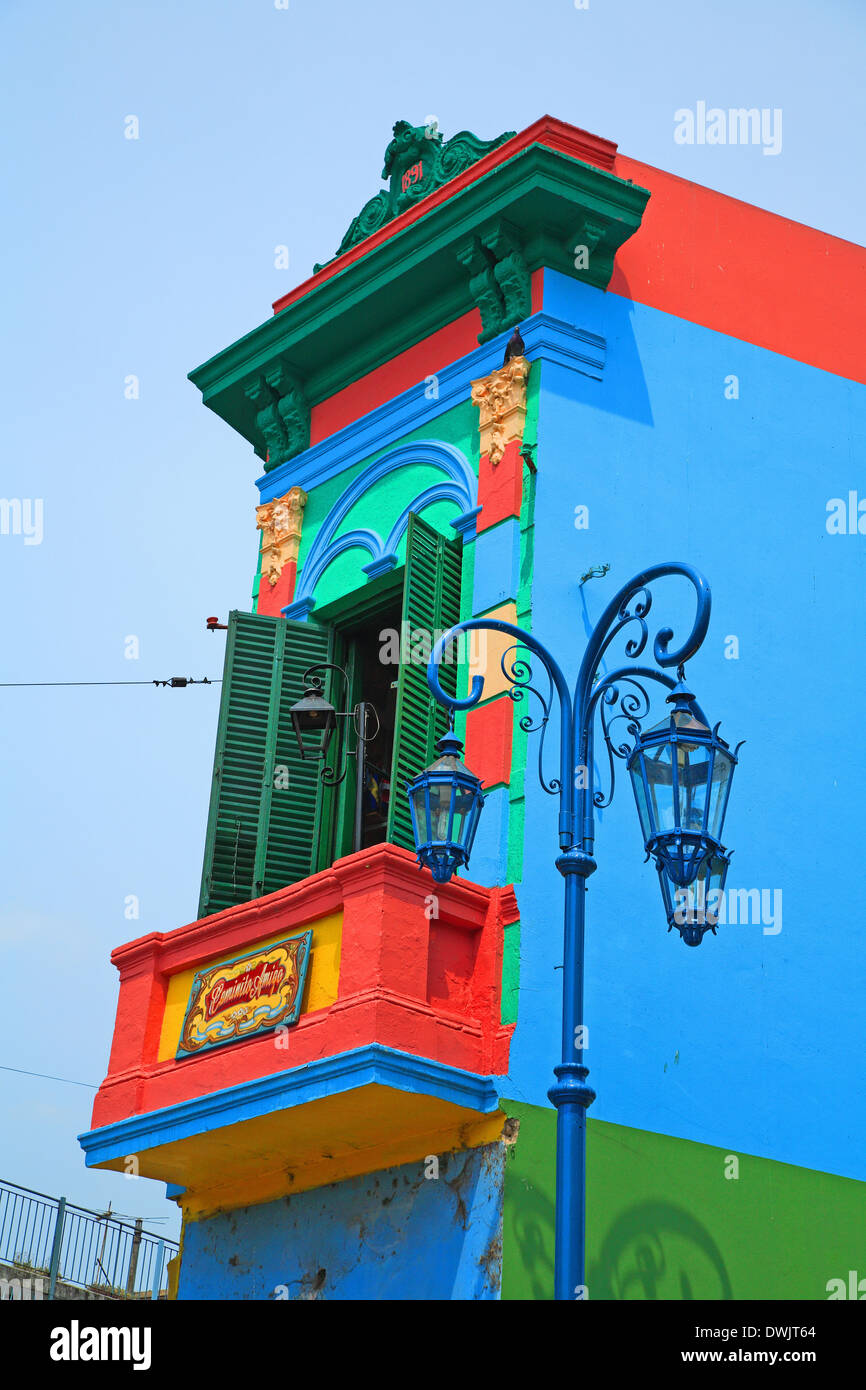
(475, 249)
(417, 162)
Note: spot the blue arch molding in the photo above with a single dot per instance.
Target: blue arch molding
(459, 486)
(362, 1066)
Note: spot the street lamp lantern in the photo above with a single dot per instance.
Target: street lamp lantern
(681, 772)
(313, 714)
(695, 909)
(445, 801)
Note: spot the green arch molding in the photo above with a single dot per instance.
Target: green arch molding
(459, 487)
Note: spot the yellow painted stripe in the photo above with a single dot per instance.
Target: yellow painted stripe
(486, 650)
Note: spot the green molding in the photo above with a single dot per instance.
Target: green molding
(516, 826)
(364, 603)
(417, 162)
(258, 576)
(510, 969)
(499, 278)
(530, 210)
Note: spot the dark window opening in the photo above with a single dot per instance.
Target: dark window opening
(373, 659)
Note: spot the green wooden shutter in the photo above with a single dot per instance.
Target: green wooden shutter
(262, 835)
(431, 602)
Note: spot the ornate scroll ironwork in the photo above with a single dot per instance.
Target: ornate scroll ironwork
(594, 690)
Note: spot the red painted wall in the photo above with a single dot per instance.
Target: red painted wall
(408, 369)
(273, 598)
(500, 486)
(698, 255)
(488, 741)
(740, 270)
(398, 375)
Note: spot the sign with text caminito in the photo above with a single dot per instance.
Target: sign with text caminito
(249, 994)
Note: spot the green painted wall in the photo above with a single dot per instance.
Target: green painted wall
(510, 967)
(665, 1222)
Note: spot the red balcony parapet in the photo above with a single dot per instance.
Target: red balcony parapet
(420, 971)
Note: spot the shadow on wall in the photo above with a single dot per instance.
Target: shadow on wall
(529, 1245)
(658, 1251)
(653, 1251)
(622, 390)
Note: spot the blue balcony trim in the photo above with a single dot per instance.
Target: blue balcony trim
(346, 1071)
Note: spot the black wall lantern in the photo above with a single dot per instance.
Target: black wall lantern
(313, 714)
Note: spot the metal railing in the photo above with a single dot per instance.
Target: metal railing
(49, 1236)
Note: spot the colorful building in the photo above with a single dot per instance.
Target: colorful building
(341, 1074)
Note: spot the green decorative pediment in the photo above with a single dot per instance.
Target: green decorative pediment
(477, 250)
(417, 162)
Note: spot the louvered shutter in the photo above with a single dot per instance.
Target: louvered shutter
(431, 602)
(261, 833)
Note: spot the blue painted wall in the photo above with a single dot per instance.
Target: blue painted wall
(754, 1040)
(398, 1234)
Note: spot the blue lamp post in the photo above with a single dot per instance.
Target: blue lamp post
(681, 772)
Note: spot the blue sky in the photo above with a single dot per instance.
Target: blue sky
(259, 127)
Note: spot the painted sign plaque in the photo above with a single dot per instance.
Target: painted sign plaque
(246, 995)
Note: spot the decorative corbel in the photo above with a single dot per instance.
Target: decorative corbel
(589, 250)
(483, 287)
(501, 400)
(282, 414)
(502, 240)
(280, 523)
(499, 279)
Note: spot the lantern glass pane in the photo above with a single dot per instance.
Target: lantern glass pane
(440, 810)
(719, 789)
(693, 770)
(419, 802)
(636, 770)
(660, 780)
(697, 908)
(464, 801)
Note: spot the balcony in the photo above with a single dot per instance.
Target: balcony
(394, 1055)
